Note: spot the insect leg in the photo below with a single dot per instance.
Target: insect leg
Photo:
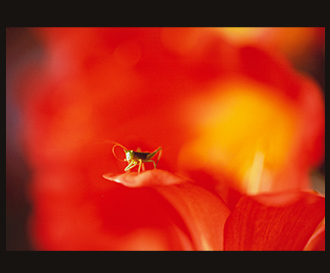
(131, 165)
(140, 163)
(159, 155)
(151, 155)
(155, 165)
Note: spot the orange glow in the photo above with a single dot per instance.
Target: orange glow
(244, 34)
(244, 131)
(182, 40)
(288, 38)
(298, 43)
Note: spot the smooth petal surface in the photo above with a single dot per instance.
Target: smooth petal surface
(283, 221)
(147, 178)
(203, 213)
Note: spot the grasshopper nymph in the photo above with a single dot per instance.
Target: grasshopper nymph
(134, 158)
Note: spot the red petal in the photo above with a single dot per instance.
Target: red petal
(317, 241)
(147, 178)
(283, 221)
(203, 212)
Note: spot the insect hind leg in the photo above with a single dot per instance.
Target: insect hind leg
(155, 165)
(159, 154)
(151, 155)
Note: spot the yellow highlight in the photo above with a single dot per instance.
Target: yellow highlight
(245, 131)
(244, 34)
(253, 174)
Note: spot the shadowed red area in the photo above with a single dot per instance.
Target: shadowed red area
(283, 221)
(110, 217)
(203, 213)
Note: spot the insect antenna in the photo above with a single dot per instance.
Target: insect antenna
(113, 151)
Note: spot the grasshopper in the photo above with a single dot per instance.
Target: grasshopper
(134, 158)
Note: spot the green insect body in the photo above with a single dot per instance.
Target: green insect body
(134, 158)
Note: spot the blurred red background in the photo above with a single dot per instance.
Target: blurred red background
(24, 51)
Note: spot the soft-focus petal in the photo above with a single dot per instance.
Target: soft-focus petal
(264, 127)
(283, 221)
(143, 179)
(203, 213)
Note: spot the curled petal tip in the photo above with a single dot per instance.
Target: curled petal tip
(112, 177)
(148, 178)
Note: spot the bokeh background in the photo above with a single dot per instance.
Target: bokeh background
(304, 47)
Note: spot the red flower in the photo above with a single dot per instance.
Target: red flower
(232, 119)
(283, 221)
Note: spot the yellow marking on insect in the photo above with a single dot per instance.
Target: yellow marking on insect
(134, 158)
